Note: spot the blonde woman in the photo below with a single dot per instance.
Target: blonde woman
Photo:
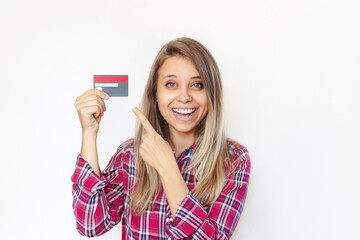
(180, 177)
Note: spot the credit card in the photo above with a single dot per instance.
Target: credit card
(113, 85)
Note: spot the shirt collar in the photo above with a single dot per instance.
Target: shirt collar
(185, 152)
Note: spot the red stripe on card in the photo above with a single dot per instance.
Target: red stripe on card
(110, 78)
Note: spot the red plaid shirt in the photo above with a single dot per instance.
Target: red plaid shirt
(101, 202)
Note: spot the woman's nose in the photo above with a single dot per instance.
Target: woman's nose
(184, 96)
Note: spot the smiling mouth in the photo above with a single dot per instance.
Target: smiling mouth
(183, 113)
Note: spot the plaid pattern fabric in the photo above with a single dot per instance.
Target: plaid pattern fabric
(99, 203)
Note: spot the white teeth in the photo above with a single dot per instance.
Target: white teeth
(184, 110)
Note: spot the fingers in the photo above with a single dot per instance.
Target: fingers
(144, 121)
(92, 97)
(91, 111)
(98, 92)
(91, 100)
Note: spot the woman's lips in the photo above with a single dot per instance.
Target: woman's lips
(184, 110)
(184, 114)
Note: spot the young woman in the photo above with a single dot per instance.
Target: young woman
(180, 177)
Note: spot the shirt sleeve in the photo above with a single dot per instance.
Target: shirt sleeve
(193, 221)
(98, 202)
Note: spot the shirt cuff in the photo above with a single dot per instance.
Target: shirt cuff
(188, 218)
(86, 177)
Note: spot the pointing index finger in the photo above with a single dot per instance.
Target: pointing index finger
(144, 121)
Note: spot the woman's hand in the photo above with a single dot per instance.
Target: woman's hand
(157, 153)
(91, 107)
(154, 149)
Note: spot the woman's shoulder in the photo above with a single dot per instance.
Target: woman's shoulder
(127, 151)
(127, 145)
(236, 149)
(124, 155)
(239, 154)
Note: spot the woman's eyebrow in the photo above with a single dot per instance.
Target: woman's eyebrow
(170, 76)
(174, 76)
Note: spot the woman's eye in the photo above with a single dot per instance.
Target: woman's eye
(170, 84)
(198, 85)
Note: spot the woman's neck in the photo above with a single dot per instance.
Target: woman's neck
(181, 141)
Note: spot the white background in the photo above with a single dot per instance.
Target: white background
(291, 83)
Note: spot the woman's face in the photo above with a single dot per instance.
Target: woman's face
(181, 96)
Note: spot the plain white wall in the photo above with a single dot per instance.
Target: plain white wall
(291, 82)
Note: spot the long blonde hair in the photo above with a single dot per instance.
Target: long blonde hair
(208, 166)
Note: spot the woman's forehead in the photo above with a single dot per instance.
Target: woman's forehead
(177, 67)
